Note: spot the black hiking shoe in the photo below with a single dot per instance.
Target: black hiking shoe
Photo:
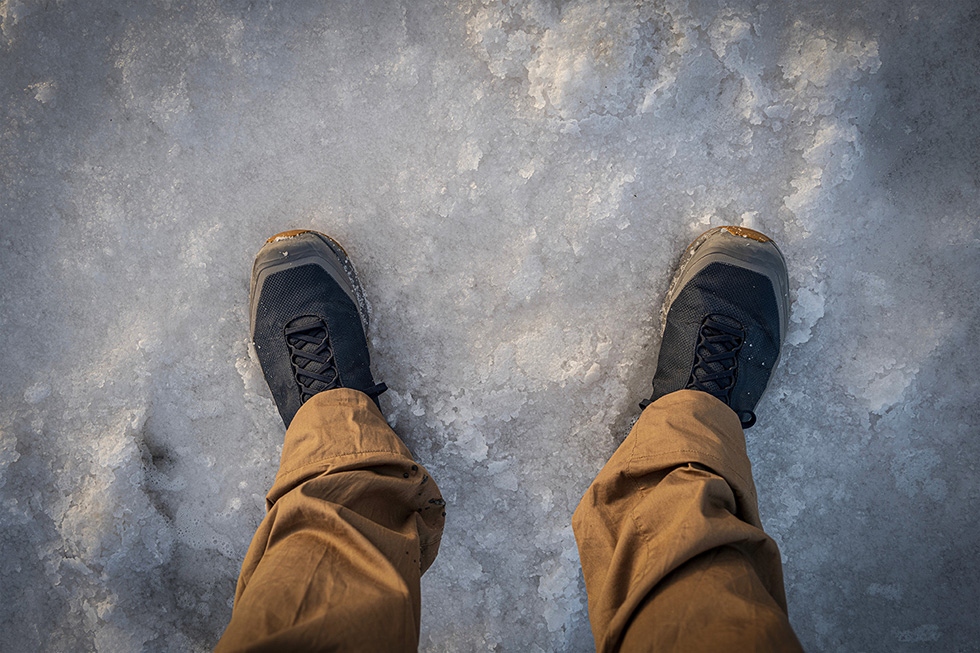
(308, 317)
(724, 320)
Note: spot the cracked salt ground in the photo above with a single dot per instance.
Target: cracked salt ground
(515, 182)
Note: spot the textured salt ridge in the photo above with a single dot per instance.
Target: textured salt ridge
(514, 185)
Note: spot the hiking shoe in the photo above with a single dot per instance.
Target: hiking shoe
(725, 319)
(307, 320)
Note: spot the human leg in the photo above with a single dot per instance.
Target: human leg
(674, 555)
(353, 521)
(672, 549)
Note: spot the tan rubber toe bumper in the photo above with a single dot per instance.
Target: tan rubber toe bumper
(745, 232)
(292, 233)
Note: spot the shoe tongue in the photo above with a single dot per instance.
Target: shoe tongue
(719, 322)
(305, 322)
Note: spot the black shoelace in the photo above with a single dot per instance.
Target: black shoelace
(716, 364)
(312, 357)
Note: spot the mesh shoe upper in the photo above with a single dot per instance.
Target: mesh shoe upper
(744, 301)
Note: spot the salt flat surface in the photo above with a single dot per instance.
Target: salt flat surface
(515, 182)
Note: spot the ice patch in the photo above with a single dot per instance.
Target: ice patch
(806, 310)
(469, 156)
(890, 591)
(44, 92)
(821, 72)
(12, 12)
(8, 454)
(915, 472)
(558, 586)
(595, 59)
(37, 393)
(585, 59)
(504, 477)
(472, 444)
(921, 634)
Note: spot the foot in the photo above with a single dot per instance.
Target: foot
(308, 317)
(724, 320)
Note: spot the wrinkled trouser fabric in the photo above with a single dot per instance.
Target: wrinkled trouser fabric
(669, 536)
(674, 555)
(353, 523)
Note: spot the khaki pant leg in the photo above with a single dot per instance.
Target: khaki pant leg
(674, 555)
(353, 523)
